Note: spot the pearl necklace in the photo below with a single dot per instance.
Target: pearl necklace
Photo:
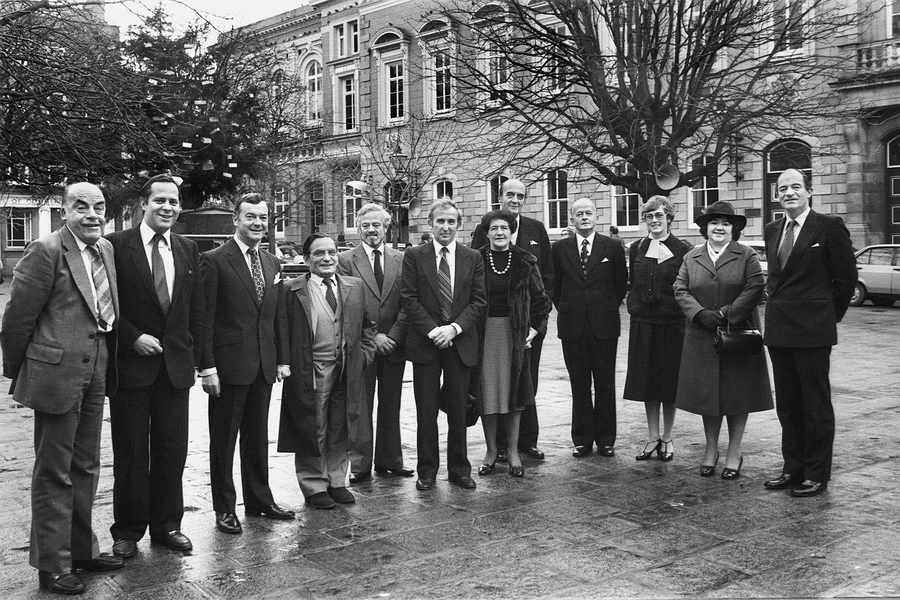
(494, 268)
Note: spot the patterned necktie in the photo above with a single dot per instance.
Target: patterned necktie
(159, 274)
(105, 312)
(444, 286)
(256, 272)
(329, 294)
(379, 273)
(584, 257)
(787, 244)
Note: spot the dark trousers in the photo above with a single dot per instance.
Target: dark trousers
(528, 424)
(586, 359)
(388, 374)
(240, 409)
(803, 404)
(66, 473)
(150, 440)
(427, 388)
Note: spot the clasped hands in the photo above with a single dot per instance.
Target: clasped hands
(212, 386)
(442, 336)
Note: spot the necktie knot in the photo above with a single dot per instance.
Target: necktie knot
(376, 253)
(584, 243)
(158, 237)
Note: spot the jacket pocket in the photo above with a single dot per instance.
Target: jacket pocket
(43, 353)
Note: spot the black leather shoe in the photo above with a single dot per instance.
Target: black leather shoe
(228, 522)
(606, 451)
(124, 548)
(61, 583)
(101, 562)
(272, 511)
(809, 488)
(463, 481)
(581, 451)
(341, 495)
(423, 484)
(502, 454)
(533, 452)
(398, 472)
(360, 477)
(320, 500)
(781, 482)
(174, 540)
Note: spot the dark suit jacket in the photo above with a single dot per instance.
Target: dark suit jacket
(299, 425)
(588, 305)
(239, 335)
(142, 313)
(532, 236)
(420, 296)
(50, 324)
(811, 294)
(381, 306)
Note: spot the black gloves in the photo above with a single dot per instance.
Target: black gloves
(707, 319)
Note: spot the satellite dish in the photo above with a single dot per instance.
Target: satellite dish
(667, 177)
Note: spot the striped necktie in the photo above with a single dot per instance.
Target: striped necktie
(106, 314)
(444, 286)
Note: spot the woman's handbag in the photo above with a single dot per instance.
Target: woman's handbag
(728, 340)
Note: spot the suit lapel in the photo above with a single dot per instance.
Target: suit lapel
(458, 270)
(179, 256)
(239, 264)
(808, 233)
(364, 268)
(703, 259)
(730, 253)
(76, 267)
(431, 269)
(109, 262)
(138, 259)
(393, 263)
(300, 287)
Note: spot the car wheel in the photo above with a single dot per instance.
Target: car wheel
(859, 295)
(883, 301)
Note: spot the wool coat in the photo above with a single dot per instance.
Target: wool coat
(710, 384)
(529, 306)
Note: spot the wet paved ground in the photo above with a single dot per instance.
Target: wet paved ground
(572, 528)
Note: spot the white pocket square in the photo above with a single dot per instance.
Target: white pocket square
(605, 259)
(277, 279)
(816, 245)
(532, 243)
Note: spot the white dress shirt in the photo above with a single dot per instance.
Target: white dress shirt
(515, 236)
(370, 253)
(451, 261)
(244, 247)
(800, 220)
(165, 252)
(590, 241)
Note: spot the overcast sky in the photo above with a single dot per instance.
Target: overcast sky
(224, 14)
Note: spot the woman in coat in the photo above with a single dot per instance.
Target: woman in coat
(720, 281)
(517, 312)
(656, 333)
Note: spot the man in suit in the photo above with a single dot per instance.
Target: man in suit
(59, 343)
(241, 357)
(588, 287)
(442, 293)
(161, 306)
(530, 235)
(332, 341)
(812, 273)
(378, 266)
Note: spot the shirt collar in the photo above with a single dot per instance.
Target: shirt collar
(451, 247)
(318, 280)
(801, 218)
(369, 249)
(147, 235)
(589, 238)
(244, 247)
(81, 244)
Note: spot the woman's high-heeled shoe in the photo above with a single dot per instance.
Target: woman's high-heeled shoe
(517, 471)
(649, 450)
(733, 473)
(486, 468)
(665, 450)
(710, 470)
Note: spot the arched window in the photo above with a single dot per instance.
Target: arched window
(494, 185)
(779, 156)
(557, 194)
(443, 188)
(314, 91)
(354, 198)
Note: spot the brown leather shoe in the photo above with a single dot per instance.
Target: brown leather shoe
(341, 495)
(781, 482)
(124, 548)
(463, 481)
(809, 488)
(228, 522)
(321, 500)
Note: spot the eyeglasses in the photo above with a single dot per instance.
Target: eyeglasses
(655, 216)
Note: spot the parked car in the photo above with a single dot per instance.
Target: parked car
(879, 275)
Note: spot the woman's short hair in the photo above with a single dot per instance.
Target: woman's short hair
(655, 202)
(735, 228)
(503, 214)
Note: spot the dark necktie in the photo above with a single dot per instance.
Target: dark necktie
(105, 312)
(379, 273)
(444, 286)
(256, 272)
(787, 243)
(329, 294)
(584, 257)
(159, 274)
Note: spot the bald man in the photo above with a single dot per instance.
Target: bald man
(530, 235)
(59, 348)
